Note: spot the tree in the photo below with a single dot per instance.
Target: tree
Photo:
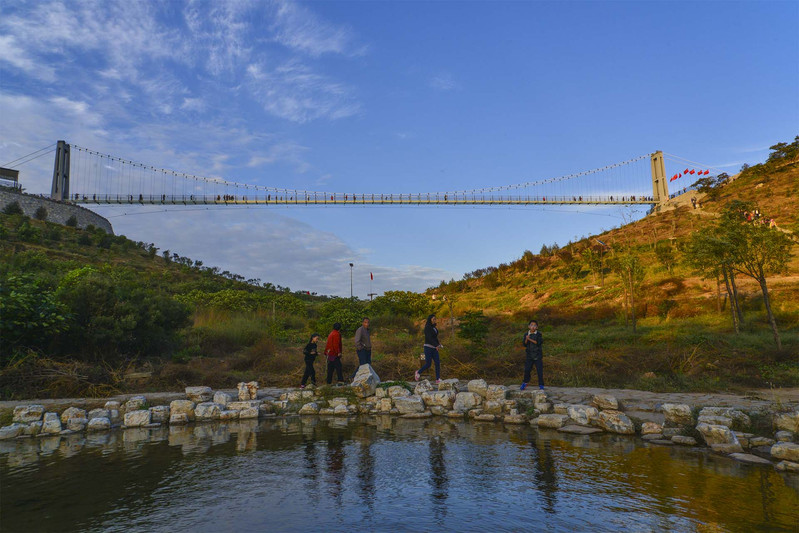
(405, 303)
(473, 326)
(665, 254)
(632, 274)
(13, 209)
(593, 260)
(41, 213)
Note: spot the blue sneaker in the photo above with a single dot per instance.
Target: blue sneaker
(524, 386)
(541, 387)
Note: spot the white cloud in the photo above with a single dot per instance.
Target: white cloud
(19, 58)
(298, 28)
(444, 82)
(193, 104)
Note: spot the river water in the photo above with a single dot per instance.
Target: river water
(380, 474)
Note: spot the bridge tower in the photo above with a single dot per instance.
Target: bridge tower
(660, 187)
(60, 189)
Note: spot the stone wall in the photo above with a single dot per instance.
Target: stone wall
(58, 212)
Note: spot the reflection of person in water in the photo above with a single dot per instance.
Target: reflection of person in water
(366, 475)
(311, 468)
(438, 476)
(335, 464)
(545, 474)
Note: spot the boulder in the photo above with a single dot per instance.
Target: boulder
(543, 407)
(225, 414)
(310, 408)
(717, 434)
(731, 447)
(678, 413)
(25, 414)
(554, 421)
(182, 407)
(52, 424)
(561, 408)
(381, 392)
(478, 386)
(616, 422)
(486, 417)
(239, 406)
(77, 424)
(326, 411)
(422, 386)
(341, 410)
(749, 458)
(787, 421)
(448, 384)
(496, 393)
(384, 405)
(761, 441)
(605, 402)
(177, 419)
(684, 440)
(99, 424)
(579, 430)
(738, 417)
(365, 382)
(409, 404)
(582, 414)
(207, 411)
(112, 405)
(786, 450)
(437, 410)
(72, 412)
(199, 394)
(670, 432)
(651, 428)
(12, 431)
(250, 412)
(135, 403)
(159, 414)
(465, 401)
(444, 398)
(137, 418)
(492, 407)
(248, 391)
(396, 391)
(33, 428)
(222, 398)
(715, 420)
(787, 466)
(784, 436)
(99, 413)
(335, 402)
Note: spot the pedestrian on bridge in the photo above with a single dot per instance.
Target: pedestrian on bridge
(333, 350)
(431, 348)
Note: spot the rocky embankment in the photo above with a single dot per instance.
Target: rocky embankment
(746, 429)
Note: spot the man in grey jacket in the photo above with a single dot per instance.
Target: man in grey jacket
(363, 345)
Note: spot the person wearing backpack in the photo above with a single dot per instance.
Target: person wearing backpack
(532, 342)
(310, 357)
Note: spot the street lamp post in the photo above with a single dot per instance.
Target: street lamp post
(351, 265)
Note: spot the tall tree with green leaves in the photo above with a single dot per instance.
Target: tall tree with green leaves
(632, 274)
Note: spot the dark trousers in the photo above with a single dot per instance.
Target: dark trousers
(334, 365)
(310, 372)
(364, 358)
(431, 355)
(539, 368)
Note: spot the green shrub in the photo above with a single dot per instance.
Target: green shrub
(72, 222)
(41, 213)
(29, 313)
(348, 312)
(473, 326)
(13, 209)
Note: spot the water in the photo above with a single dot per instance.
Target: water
(380, 474)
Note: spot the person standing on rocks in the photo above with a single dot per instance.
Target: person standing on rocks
(363, 345)
(310, 357)
(431, 348)
(532, 342)
(333, 350)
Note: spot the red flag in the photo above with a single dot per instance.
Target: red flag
(692, 171)
(707, 172)
(680, 176)
(371, 276)
(685, 171)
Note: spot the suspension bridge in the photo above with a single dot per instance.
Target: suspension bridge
(86, 176)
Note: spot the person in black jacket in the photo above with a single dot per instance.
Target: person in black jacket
(310, 354)
(532, 342)
(431, 347)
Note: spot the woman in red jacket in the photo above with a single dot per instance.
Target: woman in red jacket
(333, 352)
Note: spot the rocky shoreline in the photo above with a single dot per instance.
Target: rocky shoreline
(747, 429)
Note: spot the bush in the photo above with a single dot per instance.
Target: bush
(473, 326)
(349, 312)
(72, 222)
(30, 313)
(41, 213)
(13, 209)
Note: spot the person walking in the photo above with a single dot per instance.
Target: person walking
(532, 344)
(363, 345)
(431, 348)
(333, 352)
(310, 354)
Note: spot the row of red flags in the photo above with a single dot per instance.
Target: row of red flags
(689, 171)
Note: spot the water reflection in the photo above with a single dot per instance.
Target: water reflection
(379, 473)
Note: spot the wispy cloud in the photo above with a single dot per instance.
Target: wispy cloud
(444, 82)
(300, 29)
(17, 57)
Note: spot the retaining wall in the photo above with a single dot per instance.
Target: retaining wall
(58, 212)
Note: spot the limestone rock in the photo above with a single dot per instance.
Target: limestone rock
(381, 393)
(456, 414)
(729, 447)
(222, 398)
(397, 391)
(365, 382)
(582, 414)
(137, 418)
(437, 410)
(207, 411)
(786, 450)
(474, 413)
(199, 394)
(159, 414)
(444, 398)
(561, 408)
(225, 414)
(616, 422)
(784, 436)
(72, 412)
(678, 413)
(492, 407)
(717, 434)
(543, 407)
(670, 432)
(177, 419)
(250, 412)
(486, 417)
(496, 393)
(25, 414)
(341, 410)
(114, 416)
(335, 402)
(135, 403)
(266, 409)
(715, 420)
(579, 430)
(761, 441)
(99, 413)
(448, 384)
(33, 428)
(409, 404)
(239, 406)
(605, 402)
(651, 428)
(684, 440)
(738, 417)
(478, 386)
(12, 431)
(749, 458)
(248, 391)
(384, 405)
(52, 424)
(112, 405)
(182, 407)
(77, 424)
(509, 405)
(326, 411)
(465, 401)
(787, 421)
(552, 421)
(310, 408)
(423, 414)
(422, 386)
(99, 424)
(653, 436)
(787, 466)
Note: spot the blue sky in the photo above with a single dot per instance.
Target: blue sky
(390, 97)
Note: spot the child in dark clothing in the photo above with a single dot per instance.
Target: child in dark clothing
(532, 342)
(310, 356)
